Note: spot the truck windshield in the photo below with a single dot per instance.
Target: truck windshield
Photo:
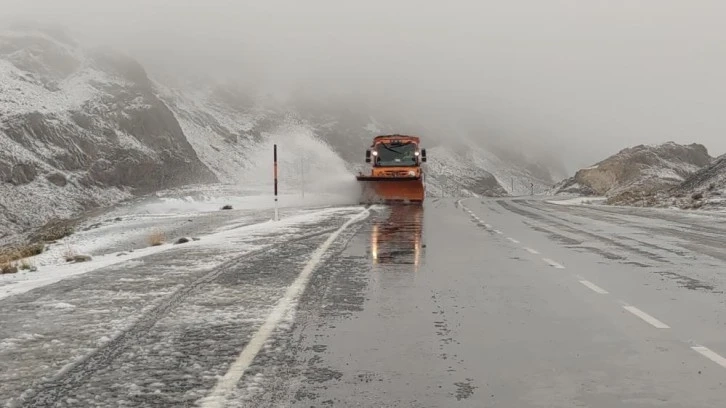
(396, 155)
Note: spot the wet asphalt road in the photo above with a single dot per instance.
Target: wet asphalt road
(477, 303)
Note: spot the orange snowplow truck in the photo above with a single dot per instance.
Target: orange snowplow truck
(396, 174)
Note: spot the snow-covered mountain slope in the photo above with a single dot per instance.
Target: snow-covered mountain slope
(80, 129)
(234, 137)
(704, 189)
(633, 173)
(222, 134)
(489, 174)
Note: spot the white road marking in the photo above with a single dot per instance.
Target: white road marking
(531, 251)
(488, 226)
(513, 240)
(648, 318)
(594, 287)
(498, 232)
(227, 384)
(553, 263)
(711, 355)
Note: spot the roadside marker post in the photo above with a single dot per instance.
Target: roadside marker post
(302, 176)
(277, 214)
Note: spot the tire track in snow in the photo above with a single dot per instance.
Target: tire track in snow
(58, 387)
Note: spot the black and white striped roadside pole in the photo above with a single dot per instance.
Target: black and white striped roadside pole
(277, 215)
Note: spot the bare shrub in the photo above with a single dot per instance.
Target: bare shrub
(156, 238)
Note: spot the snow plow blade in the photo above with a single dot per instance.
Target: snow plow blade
(390, 189)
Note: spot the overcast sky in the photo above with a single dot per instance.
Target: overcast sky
(587, 77)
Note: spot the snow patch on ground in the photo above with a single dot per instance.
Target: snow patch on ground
(580, 201)
(18, 283)
(50, 201)
(52, 267)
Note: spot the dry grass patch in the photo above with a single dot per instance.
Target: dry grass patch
(17, 253)
(6, 262)
(13, 259)
(8, 256)
(156, 238)
(6, 268)
(54, 230)
(70, 253)
(25, 265)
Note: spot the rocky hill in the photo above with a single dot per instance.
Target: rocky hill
(637, 172)
(704, 189)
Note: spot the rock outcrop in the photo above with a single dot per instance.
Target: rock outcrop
(634, 173)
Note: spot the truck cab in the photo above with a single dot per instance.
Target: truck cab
(396, 151)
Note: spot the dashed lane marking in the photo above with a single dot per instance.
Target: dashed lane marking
(648, 318)
(553, 263)
(513, 240)
(711, 355)
(594, 287)
(531, 251)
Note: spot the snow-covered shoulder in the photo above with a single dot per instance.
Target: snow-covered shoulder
(579, 201)
(125, 239)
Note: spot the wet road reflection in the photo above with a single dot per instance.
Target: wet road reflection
(396, 236)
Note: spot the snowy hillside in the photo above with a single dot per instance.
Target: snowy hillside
(704, 189)
(81, 129)
(476, 169)
(234, 137)
(637, 172)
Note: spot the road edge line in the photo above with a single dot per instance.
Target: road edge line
(237, 369)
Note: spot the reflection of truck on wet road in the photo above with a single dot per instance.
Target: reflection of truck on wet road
(398, 238)
(396, 172)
